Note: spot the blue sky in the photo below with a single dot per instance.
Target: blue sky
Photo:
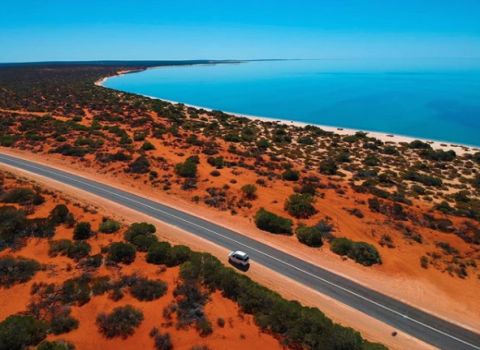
(179, 29)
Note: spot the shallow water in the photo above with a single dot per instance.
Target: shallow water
(438, 101)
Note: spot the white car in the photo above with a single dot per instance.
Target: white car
(238, 257)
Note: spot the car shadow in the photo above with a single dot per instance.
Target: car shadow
(240, 267)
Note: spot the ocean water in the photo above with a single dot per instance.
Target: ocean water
(439, 100)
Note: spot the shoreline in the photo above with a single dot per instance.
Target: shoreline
(382, 136)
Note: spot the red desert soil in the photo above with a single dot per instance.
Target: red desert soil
(239, 331)
(400, 275)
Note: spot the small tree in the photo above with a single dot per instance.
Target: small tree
(83, 230)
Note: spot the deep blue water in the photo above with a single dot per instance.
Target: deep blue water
(440, 102)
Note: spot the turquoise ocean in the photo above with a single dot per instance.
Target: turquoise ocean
(437, 100)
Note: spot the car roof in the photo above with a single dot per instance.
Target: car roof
(240, 253)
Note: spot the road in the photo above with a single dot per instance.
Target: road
(400, 316)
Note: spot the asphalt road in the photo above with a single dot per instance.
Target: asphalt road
(400, 316)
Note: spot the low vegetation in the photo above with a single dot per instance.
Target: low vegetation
(121, 322)
(16, 270)
(273, 223)
(362, 252)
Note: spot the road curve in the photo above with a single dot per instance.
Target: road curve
(400, 316)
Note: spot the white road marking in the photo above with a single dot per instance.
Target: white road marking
(249, 247)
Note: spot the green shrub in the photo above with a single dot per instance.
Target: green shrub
(59, 247)
(13, 224)
(164, 253)
(148, 146)
(328, 167)
(162, 341)
(93, 261)
(417, 144)
(438, 155)
(204, 327)
(263, 144)
(341, 246)
(144, 242)
(74, 250)
(273, 223)
(39, 227)
(83, 230)
(362, 252)
(141, 234)
(157, 253)
(76, 290)
(121, 322)
(120, 252)
(310, 235)
(306, 140)
(187, 169)
(70, 151)
(476, 182)
(109, 226)
(17, 332)
(60, 215)
(249, 191)
(426, 180)
(217, 162)
(300, 205)
(140, 165)
(63, 323)
(424, 262)
(78, 250)
(139, 228)
(365, 254)
(16, 270)
(7, 140)
(144, 289)
(290, 175)
(55, 345)
(22, 196)
(177, 255)
(371, 161)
